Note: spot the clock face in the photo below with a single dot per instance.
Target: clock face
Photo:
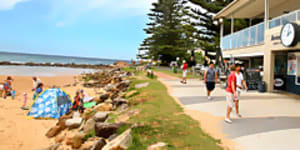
(288, 35)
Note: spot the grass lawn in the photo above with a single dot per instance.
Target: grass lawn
(190, 75)
(163, 120)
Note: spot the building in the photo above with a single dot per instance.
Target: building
(273, 43)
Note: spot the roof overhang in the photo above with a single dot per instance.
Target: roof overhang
(255, 8)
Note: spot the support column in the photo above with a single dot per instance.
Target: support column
(232, 30)
(221, 34)
(266, 14)
(269, 64)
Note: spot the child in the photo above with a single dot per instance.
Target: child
(24, 107)
(13, 94)
(78, 103)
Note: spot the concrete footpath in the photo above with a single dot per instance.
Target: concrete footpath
(270, 121)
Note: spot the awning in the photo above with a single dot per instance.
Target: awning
(245, 55)
(256, 8)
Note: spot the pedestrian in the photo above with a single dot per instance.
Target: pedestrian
(240, 82)
(38, 90)
(78, 103)
(36, 82)
(230, 92)
(210, 79)
(184, 72)
(7, 87)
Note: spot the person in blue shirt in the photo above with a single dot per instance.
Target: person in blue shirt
(38, 90)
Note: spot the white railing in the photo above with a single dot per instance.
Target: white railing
(255, 35)
(281, 20)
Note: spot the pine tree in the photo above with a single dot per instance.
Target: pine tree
(170, 31)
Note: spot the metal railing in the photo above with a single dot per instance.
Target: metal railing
(253, 35)
(281, 20)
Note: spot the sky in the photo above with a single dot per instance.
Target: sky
(87, 28)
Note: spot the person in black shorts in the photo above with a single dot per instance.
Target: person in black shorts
(210, 79)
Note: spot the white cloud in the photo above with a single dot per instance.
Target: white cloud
(67, 11)
(9, 4)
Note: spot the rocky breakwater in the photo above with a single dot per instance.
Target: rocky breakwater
(94, 129)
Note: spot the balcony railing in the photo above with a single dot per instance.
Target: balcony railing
(281, 20)
(253, 35)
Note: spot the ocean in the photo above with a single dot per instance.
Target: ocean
(37, 58)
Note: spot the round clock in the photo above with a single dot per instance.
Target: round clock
(289, 34)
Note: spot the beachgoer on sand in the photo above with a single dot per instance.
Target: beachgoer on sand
(36, 82)
(85, 97)
(38, 90)
(78, 103)
(7, 87)
(230, 92)
(184, 72)
(210, 79)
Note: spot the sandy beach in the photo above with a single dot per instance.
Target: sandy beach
(18, 133)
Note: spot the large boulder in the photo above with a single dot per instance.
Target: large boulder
(157, 146)
(73, 123)
(104, 107)
(87, 145)
(122, 86)
(104, 97)
(60, 138)
(100, 116)
(53, 131)
(99, 145)
(77, 140)
(89, 126)
(122, 142)
(105, 129)
(119, 101)
(142, 85)
(109, 87)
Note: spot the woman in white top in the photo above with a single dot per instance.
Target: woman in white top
(240, 82)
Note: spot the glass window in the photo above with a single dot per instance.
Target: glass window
(289, 18)
(239, 39)
(274, 23)
(226, 42)
(298, 15)
(245, 37)
(260, 33)
(252, 35)
(234, 40)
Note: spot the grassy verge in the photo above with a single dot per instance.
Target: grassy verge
(163, 120)
(190, 75)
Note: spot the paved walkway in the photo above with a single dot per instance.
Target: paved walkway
(270, 121)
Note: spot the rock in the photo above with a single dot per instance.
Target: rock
(60, 138)
(104, 107)
(122, 86)
(131, 93)
(104, 97)
(89, 126)
(87, 145)
(157, 146)
(142, 85)
(73, 123)
(109, 87)
(77, 140)
(53, 131)
(110, 138)
(122, 107)
(100, 116)
(119, 101)
(105, 129)
(126, 116)
(99, 145)
(123, 141)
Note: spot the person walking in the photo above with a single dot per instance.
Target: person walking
(240, 82)
(184, 72)
(210, 79)
(36, 82)
(230, 92)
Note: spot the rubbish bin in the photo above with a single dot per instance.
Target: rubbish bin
(261, 87)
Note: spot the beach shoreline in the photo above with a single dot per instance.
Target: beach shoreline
(18, 133)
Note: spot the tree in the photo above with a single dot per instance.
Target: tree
(170, 32)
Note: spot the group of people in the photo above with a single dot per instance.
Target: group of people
(7, 89)
(235, 84)
(80, 98)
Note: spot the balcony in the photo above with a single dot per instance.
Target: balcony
(255, 35)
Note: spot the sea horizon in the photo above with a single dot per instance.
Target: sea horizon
(17, 57)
